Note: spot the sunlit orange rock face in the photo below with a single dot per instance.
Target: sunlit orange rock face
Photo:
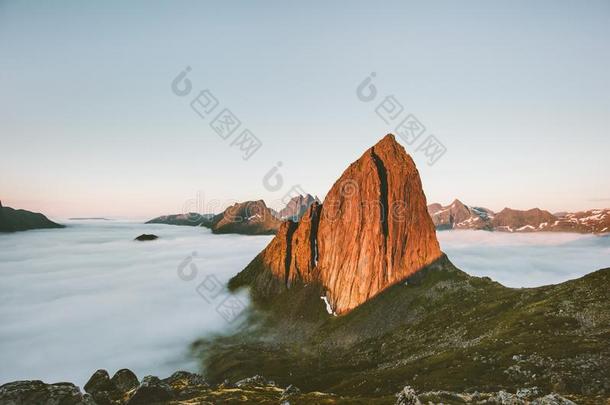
(250, 218)
(372, 231)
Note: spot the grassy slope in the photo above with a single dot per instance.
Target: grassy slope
(443, 330)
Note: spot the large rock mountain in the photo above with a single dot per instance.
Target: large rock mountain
(372, 231)
(12, 220)
(458, 215)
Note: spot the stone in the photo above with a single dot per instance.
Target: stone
(407, 397)
(552, 399)
(98, 382)
(37, 392)
(151, 390)
(290, 391)
(125, 380)
(186, 378)
(257, 380)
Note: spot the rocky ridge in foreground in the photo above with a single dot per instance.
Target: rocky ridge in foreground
(185, 388)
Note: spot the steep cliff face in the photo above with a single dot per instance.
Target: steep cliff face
(372, 231)
(289, 258)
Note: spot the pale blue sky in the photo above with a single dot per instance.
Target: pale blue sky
(518, 92)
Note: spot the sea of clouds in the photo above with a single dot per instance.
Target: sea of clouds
(526, 259)
(86, 297)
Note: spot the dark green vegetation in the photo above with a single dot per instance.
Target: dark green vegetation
(441, 330)
(12, 220)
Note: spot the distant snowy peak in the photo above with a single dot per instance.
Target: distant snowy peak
(458, 215)
(297, 206)
(596, 221)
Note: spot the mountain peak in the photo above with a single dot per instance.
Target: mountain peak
(372, 231)
(388, 139)
(457, 202)
(297, 206)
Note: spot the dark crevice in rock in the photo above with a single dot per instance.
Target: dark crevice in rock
(292, 226)
(383, 199)
(313, 235)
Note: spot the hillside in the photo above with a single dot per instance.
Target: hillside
(12, 220)
(441, 329)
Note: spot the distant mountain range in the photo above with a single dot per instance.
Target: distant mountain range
(190, 219)
(255, 218)
(458, 215)
(297, 206)
(247, 218)
(250, 218)
(12, 220)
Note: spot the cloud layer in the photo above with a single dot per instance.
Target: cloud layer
(526, 259)
(88, 297)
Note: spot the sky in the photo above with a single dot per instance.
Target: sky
(518, 94)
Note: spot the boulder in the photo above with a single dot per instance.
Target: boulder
(407, 397)
(37, 392)
(125, 380)
(151, 390)
(290, 391)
